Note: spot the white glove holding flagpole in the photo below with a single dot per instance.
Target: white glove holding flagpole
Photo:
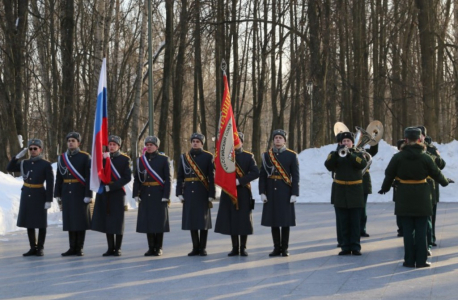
(106, 154)
(22, 153)
(87, 200)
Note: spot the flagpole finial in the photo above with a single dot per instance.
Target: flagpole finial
(223, 65)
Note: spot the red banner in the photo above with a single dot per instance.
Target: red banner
(228, 140)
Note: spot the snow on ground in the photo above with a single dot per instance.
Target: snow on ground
(315, 183)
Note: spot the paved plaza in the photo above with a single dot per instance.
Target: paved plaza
(313, 271)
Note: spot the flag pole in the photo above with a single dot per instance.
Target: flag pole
(150, 73)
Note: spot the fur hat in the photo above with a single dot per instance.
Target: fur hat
(74, 135)
(115, 139)
(153, 140)
(279, 132)
(198, 136)
(35, 142)
(339, 137)
(347, 135)
(423, 129)
(412, 133)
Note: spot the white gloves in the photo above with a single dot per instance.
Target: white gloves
(47, 205)
(106, 154)
(237, 182)
(293, 199)
(107, 188)
(137, 199)
(165, 200)
(210, 199)
(22, 153)
(264, 198)
(181, 198)
(87, 200)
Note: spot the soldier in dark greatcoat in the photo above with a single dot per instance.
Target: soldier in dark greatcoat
(411, 167)
(279, 188)
(36, 198)
(237, 220)
(196, 190)
(108, 214)
(348, 192)
(152, 188)
(73, 193)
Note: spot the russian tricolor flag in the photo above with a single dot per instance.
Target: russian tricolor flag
(99, 172)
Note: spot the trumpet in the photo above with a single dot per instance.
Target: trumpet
(343, 151)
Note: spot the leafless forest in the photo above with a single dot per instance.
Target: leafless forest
(297, 65)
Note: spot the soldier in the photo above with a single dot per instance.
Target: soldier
(234, 220)
(338, 229)
(411, 167)
(196, 190)
(73, 193)
(36, 199)
(348, 192)
(400, 143)
(279, 188)
(108, 214)
(367, 189)
(435, 155)
(152, 188)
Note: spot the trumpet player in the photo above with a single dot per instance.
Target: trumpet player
(348, 193)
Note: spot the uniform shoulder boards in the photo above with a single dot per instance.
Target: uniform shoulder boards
(162, 154)
(248, 152)
(207, 152)
(291, 151)
(124, 154)
(84, 152)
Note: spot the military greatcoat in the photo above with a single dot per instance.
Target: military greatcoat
(76, 214)
(230, 220)
(196, 209)
(153, 213)
(108, 214)
(35, 172)
(278, 211)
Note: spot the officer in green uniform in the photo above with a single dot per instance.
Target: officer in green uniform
(338, 230)
(395, 187)
(36, 198)
(367, 188)
(348, 192)
(435, 155)
(411, 167)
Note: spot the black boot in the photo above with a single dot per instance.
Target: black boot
(203, 243)
(117, 250)
(195, 243)
(151, 250)
(243, 239)
(110, 242)
(235, 246)
(284, 241)
(41, 241)
(32, 242)
(72, 242)
(276, 240)
(80, 237)
(158, 241)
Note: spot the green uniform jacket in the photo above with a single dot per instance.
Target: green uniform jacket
(367, 183)
(432, 151)
(347, 169)
(412, 163)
